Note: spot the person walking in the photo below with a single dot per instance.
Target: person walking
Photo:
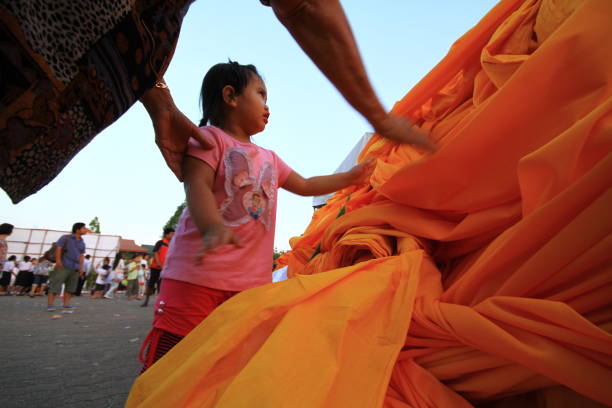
(143, 276)
(41, 275)
(116, 276)
(83, 274)
(133, 269)
(69, 256)
(159, 258)
(103, 271)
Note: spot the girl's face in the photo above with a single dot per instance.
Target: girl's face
(251, 111)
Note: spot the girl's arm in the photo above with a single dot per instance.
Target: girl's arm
(320, 185)
(172, 128)
(198, 182)
(321, 28)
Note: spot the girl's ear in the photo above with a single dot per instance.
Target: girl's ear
(229, 95)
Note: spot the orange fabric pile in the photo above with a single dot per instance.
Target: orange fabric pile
(480, 271)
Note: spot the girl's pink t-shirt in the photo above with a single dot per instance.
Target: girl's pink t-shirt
(247, 178)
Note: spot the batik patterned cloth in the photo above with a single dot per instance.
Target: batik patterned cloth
(69, 69)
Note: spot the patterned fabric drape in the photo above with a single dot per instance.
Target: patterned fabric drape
(69, 69)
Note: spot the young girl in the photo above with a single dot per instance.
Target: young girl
(116, 276)
(102, 271)
(224, 239)
(41, 275)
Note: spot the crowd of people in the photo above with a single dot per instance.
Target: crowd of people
(136, 276)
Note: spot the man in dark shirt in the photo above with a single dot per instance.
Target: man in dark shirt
(69, 255)
(159, 258)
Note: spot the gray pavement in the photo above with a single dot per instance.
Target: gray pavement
(85, 359)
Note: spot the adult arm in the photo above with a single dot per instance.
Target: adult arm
(58, 253)
(3, 252)
(202, 205)
(156, 258)
(322, 30)
(81, 259)
(172, 128)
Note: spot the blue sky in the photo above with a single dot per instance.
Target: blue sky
(121, 178)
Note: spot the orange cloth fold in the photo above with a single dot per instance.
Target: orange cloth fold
(491, 259)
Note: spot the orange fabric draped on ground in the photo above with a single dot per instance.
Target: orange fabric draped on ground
(480, 271)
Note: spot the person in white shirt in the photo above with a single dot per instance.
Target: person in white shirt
(143, 275)
(25, 277)
(116, 276)
(83, 275)
(103, 270)
(8, 271)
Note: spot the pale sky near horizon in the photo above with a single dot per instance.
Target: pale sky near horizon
(121, 178)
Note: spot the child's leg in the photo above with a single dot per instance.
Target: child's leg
(33, 290)
(110, 293)
(156, 345)
(180, 297)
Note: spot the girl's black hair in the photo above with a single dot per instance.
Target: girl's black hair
(219, 76)
(118, 257)
(12, 258)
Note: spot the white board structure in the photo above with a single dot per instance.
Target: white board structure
(34, 242)
(347, 164)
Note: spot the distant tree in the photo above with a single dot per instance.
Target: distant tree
(175, 217)
(95, 225)
(277, 253)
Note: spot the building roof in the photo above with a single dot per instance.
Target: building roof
(128, 245)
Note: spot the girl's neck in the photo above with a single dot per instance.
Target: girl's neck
(236, 132)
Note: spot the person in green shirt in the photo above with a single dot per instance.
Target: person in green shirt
(132, 277)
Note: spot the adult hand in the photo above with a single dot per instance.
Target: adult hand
(172, 132)
(321, 28)
(172, 128)
(400, 130)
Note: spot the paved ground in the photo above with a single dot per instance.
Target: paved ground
(86, 359)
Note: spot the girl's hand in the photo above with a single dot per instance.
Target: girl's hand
(400, 130)
(215, 236)
(360, 173)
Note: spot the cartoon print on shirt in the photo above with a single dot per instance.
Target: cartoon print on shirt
(248, 197)
(253, 203)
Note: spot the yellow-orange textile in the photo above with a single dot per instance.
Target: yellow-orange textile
(477, 272)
